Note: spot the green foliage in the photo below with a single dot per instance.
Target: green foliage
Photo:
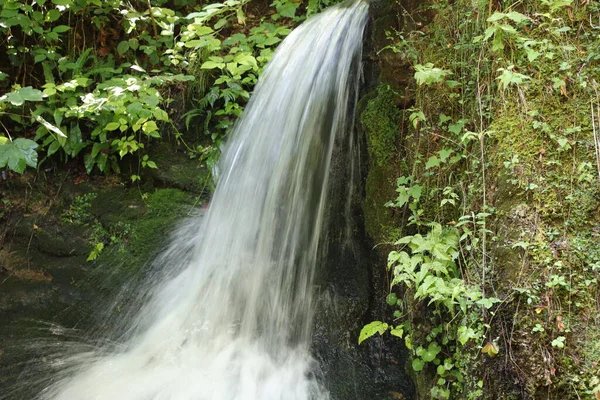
(17, 154)
(502, 161)
(428, 74)
(96, 80)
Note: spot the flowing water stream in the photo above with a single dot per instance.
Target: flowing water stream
(230, 317)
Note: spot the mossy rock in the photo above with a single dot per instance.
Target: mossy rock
(380, 121)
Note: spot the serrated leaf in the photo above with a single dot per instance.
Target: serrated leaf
(18, 154)
(497, 16)
(517, 17)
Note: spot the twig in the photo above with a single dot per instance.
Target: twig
(596, 143)
(153, 20)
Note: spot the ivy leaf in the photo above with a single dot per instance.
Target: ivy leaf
(432, 162)
(371, 329)
(397, 331)
(444, 154)
(418, 364)
(490, 349)
(431, 352)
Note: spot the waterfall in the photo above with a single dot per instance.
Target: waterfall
(230, 317)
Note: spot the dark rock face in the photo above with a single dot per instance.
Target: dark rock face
(352, 276)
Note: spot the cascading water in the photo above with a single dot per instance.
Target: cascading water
(233, 320)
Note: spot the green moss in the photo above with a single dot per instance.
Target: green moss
(380, 122)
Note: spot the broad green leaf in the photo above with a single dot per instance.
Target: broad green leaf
(61, 29)
(22, 95)
(431, 352)
(201, 30)
(111, 126)
(517, 17)
(123, 47)
(371, 329)
(18, 154)
(288, 9)
(212, 65)
(149, 127)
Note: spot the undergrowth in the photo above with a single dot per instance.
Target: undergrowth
(493, 284)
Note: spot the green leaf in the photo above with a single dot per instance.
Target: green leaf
(397, 331)
(418, 364)
(371, 329)
(431, 352)
(160, 115)
(432, 162)
(111, 126)
(61, 29)
(559, 342)
(497, 16)
(123, 47)
(200, 30)
(490, 349)
(428, 74)
(18, 154)
(517, 17)
(212, 65)
(149, 127)
(22, 95)
(51, 128)
(287, 9)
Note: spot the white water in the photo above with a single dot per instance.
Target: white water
(233, 320)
